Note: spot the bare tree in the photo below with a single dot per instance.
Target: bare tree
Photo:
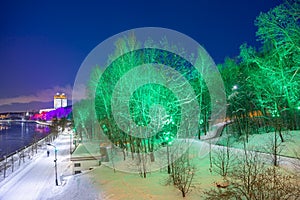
(247, 174)
(182, 173)
(223, 159)
(274, 146)
(253, 179)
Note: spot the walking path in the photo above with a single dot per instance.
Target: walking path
(37, 179)
(205, 146)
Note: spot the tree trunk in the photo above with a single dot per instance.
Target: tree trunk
(275, 150)
(281, 137)
(183, 192)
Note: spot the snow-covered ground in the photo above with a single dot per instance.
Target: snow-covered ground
(103, 183)
(37, 181)
(121, 185)
(264, 142)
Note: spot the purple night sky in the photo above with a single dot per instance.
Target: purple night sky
(43, 43)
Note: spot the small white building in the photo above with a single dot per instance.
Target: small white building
(83, 159)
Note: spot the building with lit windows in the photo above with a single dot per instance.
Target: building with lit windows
(60, 100)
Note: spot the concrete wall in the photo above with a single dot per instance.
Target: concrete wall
(82, 165)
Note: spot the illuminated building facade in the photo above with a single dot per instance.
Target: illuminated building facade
(60, 100)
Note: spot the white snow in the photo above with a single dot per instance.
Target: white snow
(37, 180)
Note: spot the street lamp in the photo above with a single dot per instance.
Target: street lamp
(55, 162)
(167, 141)
(70, 144)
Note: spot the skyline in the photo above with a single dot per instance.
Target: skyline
(42, 45)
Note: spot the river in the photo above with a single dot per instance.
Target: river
(16, 135)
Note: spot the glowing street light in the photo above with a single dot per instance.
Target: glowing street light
(55, 162)
(168, 140)
(235, 87)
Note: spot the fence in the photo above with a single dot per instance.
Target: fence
(16, 161)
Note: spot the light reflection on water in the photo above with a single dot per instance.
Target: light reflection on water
(16, 135)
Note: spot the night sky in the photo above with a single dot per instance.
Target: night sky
(43, 44)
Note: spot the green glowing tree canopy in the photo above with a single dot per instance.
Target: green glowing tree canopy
(146, 96)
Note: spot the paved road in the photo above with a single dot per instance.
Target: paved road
(37, 180)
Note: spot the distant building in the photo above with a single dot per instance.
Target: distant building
(45, 110)
(60, 100)
(3, 116)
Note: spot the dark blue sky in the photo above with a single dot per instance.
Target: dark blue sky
(43, 44)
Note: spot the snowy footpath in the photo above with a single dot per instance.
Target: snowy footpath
(37, 179)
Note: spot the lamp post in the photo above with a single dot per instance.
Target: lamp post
(70, 144)
(167, 141)
(55, 162)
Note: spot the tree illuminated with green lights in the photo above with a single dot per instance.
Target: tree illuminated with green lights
(277, 77)
(167, 115)
(263, 86)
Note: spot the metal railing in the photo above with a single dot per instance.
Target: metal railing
(13, 162)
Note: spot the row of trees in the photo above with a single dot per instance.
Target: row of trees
(263, 86)
(263, 92)
(141, 110)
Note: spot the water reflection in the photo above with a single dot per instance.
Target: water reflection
(3, 127)
(16, 135)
